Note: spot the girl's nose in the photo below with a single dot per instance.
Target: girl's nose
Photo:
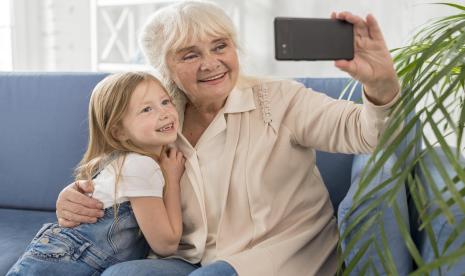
(163, 115)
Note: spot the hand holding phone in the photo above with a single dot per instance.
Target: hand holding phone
(313, 39)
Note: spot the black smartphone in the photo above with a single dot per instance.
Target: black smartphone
(313, 39)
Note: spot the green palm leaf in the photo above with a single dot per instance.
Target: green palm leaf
(430, 112)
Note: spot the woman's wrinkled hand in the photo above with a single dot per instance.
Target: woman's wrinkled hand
(372, 64)
(74, 206)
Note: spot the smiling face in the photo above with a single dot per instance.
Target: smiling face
(151, 120)
(206, 70)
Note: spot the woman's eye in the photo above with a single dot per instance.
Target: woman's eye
(220, 47)
(166, 102)
(189, 57)
(146, 109)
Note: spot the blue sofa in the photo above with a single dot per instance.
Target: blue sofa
(44, 134)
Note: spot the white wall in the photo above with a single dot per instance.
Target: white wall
(6, 61)
(397, 18)
(51, 35)
(54, 35)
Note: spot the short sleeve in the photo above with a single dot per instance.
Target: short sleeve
(140, 176)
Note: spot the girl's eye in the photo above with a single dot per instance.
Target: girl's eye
(166, 102)
(146, 109)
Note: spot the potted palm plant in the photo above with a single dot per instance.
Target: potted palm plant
(426, 135)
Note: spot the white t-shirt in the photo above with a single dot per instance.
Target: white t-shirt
(140, 176)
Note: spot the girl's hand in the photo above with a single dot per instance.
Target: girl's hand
(74, 207)
(160, 219)
(172, 161)
(372, 64)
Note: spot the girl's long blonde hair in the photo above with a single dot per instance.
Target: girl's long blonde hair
(108, 104)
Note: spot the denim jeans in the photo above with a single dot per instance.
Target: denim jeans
(87, 249)
(169, 267)
(216, 268)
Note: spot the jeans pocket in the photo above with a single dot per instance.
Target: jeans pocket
(44, 228)
(49, 247)
(56, 244)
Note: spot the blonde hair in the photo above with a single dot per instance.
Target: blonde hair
(108, 104)
(175, 26)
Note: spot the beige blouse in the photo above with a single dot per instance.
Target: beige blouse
(251, 192)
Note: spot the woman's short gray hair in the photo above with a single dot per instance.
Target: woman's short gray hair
(176, 26)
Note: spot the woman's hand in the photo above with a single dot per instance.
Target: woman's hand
(74, 207)
(172, 161)
(372, 64)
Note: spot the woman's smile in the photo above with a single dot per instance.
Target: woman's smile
(215, 79)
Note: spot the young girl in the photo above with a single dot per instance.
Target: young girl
(131, 120)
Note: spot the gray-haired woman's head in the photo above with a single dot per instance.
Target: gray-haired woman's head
(173, 27)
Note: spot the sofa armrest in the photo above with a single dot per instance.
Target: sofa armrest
(371, 259)
(442, 229)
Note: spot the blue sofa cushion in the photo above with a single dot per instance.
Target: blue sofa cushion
(41, 142)
(397, 246)
(18, 228)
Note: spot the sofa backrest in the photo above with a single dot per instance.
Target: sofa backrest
(43, 119)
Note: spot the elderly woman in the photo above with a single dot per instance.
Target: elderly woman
(253, 201)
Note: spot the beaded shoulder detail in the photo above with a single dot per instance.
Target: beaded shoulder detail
(264, 100)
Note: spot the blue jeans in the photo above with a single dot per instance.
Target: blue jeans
(169, 267)
(87, 249)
